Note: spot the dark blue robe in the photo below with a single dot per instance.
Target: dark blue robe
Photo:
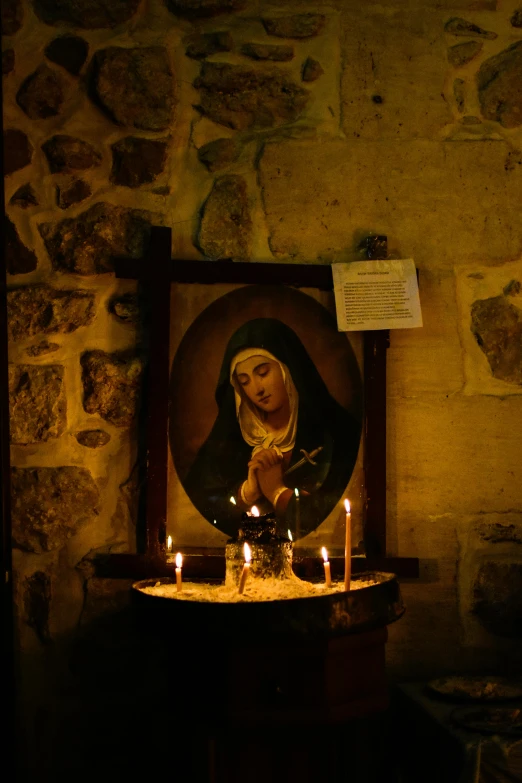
(220, 466)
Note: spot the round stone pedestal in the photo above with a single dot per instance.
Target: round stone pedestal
(302, 660)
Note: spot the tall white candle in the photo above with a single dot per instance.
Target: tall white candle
(297, 514)
(246, 567)
(179, 563)
(348, 547)
(327, 570)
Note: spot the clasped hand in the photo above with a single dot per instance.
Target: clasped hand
(265, 475)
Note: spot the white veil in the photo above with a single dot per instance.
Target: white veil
(251, 419)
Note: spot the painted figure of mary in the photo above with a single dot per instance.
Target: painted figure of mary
(278, 430)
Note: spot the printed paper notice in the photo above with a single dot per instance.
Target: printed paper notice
(376, 295)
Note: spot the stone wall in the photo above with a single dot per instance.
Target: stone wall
(268, 132)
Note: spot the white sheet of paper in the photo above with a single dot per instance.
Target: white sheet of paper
(376, 295)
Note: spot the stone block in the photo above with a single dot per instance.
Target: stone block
(42, 94)
(428, 360)
(37, 403)
(219, 154)
(205, 44)
(67, 154)
(500, 530)
(490, 549)
(111, 385)
(8, 61)
(93, 439)
(312, 70)
(72, 193)
(462, 27)
(42, 348)
(195, 9)
(69, 51)
(18, 150)
(294, 25)
(137, 161)
(470, 119)
(49, 505)
(12, 16)
(37, 600)
(242, 98)
(88, 243)
(440, 203)
(135, 86)
(497, 594)
(450, 547)
(24, 197)
(463, 53)
(40, 309)
(19, 259)
(499, 87)
(472, 6)
(272, 52)
(226, 225)
(452, 455)
(48, 598)
(85, 13)
(126, 308)
(399, 55)
(497, 327)
(489, 303)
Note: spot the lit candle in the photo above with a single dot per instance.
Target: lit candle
(233, 500)
(246, 567)
(179, 563)
(327, 571)
(169, 543)
(290, 536)
(254, 511)
(297, 514)
(348, 547)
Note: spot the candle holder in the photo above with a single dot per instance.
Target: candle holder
(271, 551)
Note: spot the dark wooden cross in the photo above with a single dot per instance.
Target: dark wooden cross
(156, 273)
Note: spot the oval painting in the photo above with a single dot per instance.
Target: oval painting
(266, 409)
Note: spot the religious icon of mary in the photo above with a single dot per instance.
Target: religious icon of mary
(280, 441)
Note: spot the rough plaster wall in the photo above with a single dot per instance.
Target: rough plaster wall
(385, 147)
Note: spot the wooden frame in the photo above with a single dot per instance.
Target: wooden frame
(157, 274)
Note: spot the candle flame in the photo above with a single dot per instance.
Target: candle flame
(233, 500)
(296, 492)
(169, 543)
(290, 536)
(179, 560)
(254, 511)
(248, 553)
(324, 552)
(347, 505)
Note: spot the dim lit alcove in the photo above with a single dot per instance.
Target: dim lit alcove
(155, 151)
